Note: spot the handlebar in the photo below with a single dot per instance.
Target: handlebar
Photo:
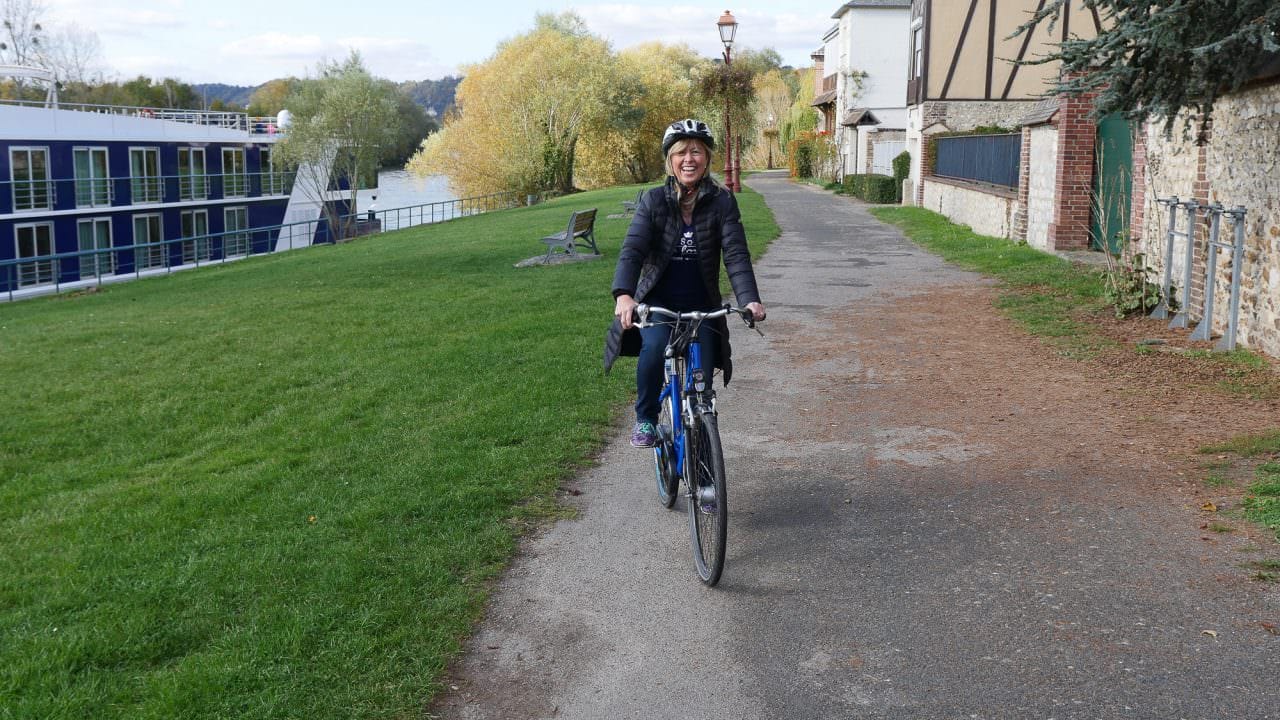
(643, 311)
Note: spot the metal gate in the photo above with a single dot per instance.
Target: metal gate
(1112, 183)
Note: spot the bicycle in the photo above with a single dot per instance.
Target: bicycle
(688, 452)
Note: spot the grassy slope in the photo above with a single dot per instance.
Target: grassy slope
(275, 488)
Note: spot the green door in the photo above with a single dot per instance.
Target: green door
(1112, 183)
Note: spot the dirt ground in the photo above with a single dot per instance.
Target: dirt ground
(1144, 416)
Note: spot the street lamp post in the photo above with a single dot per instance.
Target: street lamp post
(728, 28)
(769, 134)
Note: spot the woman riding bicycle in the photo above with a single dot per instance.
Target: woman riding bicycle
(671, 258)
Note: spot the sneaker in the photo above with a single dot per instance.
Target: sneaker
(644, 436)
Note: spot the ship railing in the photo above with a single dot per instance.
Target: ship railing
(226, 119)
(427, 213)
(20, 196)
(94, 267)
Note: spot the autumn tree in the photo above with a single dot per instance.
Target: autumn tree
(342, 121)
(656, 88)
(773, 99)
(520, 115)
(270, 97)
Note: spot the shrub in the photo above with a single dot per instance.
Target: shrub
(873, 188)
(813, 154)
(901, 169)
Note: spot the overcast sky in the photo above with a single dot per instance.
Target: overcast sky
(247, 43)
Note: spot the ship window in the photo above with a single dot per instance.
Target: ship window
(234, 241)
(29, 172)
(148, 242)
(273, 180)
(192, 182)
(93, 182)
(95, 239)
(234, 181)
(146, 184)
(195, 227)
(33, 241)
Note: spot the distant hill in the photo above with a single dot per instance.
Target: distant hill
(436, 95)
(232, 95)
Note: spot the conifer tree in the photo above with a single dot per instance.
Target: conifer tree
(1162, 58)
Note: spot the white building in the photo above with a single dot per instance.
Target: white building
(866, 63)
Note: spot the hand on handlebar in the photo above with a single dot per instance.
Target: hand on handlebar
(624, 309)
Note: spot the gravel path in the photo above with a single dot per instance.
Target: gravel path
(931, 517)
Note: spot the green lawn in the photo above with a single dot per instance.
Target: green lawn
(276, 488)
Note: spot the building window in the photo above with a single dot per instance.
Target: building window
(917, 52)
(195, 227)
(93, 183)
(145, 181)
(33, 241)
(96, 258)
(192, 182)
(234, 181)
(29, 171)
(148, 242)
(235, 241)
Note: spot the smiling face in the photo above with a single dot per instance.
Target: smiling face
(688, 160)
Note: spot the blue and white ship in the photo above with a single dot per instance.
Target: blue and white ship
(97, 194)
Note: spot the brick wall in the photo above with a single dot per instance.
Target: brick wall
(1024, 185)
(1077, 135)
(1137, 207)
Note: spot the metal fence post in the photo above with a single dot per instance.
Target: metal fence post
(1161, 310)
(1180, 320)
(1228, 341)
(1204, 330)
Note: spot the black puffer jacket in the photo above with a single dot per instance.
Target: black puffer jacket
(647, 250)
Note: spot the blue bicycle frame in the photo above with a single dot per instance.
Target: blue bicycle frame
(696, 383)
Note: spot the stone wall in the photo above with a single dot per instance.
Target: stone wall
(969, 114)
(985, 209)
(1240, 165)
(1042, 163)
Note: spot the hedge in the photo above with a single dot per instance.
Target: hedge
(880, 189)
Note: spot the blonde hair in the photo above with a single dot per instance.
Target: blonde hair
(680, 145)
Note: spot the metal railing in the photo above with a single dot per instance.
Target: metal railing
(17, 196)
(209, 118)
(62, 272)
(991, 159)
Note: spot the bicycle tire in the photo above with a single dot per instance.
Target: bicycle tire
(664, 458)
(708, 528)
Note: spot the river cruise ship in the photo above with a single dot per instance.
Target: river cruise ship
(97, 194)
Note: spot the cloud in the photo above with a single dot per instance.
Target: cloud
(398, 58)
(793, 35)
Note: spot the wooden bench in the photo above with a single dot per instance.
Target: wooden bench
(580, 231)
(629, 206)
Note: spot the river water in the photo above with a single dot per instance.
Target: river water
(401, 189)
(403, 200)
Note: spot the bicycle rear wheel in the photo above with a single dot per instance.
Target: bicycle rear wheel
(709, 500)
(664, 457)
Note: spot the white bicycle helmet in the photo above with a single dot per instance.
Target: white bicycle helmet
(686, 129)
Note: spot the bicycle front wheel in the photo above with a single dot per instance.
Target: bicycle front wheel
(708, 498)
(664, 457)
